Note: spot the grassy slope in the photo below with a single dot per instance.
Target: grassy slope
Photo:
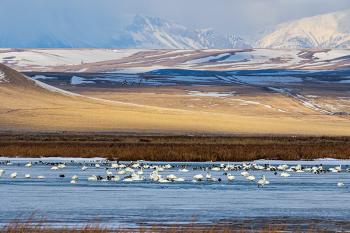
(27, 107)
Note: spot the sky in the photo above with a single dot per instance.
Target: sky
(246, 18)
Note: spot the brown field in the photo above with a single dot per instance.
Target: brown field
(174, 148)
(27, 107)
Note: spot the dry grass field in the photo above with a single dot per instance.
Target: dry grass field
(27, 106)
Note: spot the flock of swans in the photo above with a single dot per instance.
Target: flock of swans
(167, 173)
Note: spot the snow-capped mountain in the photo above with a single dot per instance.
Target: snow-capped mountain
(156, 33)
(322, 31)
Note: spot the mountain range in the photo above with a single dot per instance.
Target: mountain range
(330, 30)
(322, 31)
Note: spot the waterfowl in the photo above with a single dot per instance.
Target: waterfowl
(340, 184)
(2, 172)
(92, 178)
(171, 177)
(27, 176)
(84, 168)
(28, 164)
(230, 177)
(54, 168)
(13, 175)
(40, 177)
(263, 181)
(73, 182)
(245, 173)
(250, 178)
(183, 170)
(284, 174)
(198, 177)
(74, 177)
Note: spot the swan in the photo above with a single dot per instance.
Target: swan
(13, 175)
(28, 164)
(97, 165)
(180, 179)
(285, 174)
(250, 178)
(74, 177)
(171, 177)
(198, 177)
(245, 173)
(183, 170)
(40, 177)
(121, 172)
(61, 165)
(2, 172)
(215, 169)
(263, 181)
(54, 168)
(109, 173)
(27, 176)
(84, 168)
(73, 182)
(340, 184)
(168, 166)
(115, 178)
(230, 177)
(92, 178)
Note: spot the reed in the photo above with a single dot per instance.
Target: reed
(175, 148)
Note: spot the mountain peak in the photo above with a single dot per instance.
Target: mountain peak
(331, 30)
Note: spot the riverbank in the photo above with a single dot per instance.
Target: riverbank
(174, 148)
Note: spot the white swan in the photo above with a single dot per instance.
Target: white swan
(263, 181)
(340, 184)
(73, 182)
(284, 174)
(13, 175)
(74, 177)
(250, 178)
(40, 177)
(27, 176)
(54, 168)
(84, 168)
(183, 170)
(92, 178)
(171, 177)
(198, 177)
(2, 172)
(230, 177)
(245, 173)
(28, 164)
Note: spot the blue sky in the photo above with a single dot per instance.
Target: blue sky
(243, 17)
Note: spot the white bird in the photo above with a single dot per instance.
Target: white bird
(245, 173)
(340, 184)
(171, 177)
(115, 178)
(13, 175)
(183, 170)
(84, 168)
(250, 178)
(97, 165)
(263, 181)
(285, 174)
(54, 168)
(73, 182)
(75, 177)
(2, 172)
(40, 177)
(92, 178)
(27, 176)
(198, 177)
(215, 169)
(61, 165)
(180, 179)
(28, 164)
(230, 177)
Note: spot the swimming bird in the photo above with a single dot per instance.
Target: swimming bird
(2, 172)
(340, 184)
(92, 178)
(285, 174)
(73, 182)
(250, 178)
(28, 164)
(198, 177)
(13, 175)
(40, 177)
(263, 181)
(84, 168)
(230, 177)
(183, 170)
(27, 176)
(75, 177)
(54, 168)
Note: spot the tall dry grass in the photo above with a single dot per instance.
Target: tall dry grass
(172, 148)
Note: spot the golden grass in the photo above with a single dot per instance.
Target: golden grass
(26, 107)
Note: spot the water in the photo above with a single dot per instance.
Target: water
(122, 204)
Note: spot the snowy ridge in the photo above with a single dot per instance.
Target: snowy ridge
(321, 31)
(3, 77)
(156, 33)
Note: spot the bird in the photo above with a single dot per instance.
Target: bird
(230, 177)
(250, 178)
(340, 184)
(263, 181)
(285, 174)
(27, 176)
(13, 175)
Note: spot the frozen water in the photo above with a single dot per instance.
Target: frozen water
(118, 204)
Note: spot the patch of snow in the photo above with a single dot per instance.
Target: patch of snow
(210, 94)
(75, 80)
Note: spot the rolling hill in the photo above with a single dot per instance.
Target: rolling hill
(28, 105)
